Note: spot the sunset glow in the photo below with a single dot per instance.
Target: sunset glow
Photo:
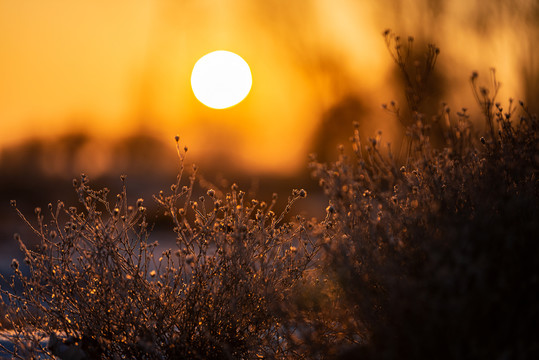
(62, 73)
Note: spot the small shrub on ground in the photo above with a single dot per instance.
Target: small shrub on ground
(437, 257)
(98, 288)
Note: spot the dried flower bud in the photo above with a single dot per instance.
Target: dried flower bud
(15, 264)
(190, 259)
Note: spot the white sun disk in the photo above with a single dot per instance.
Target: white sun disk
(221, 79)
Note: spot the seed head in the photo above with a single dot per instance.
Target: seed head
(15, 264)
(190, 259)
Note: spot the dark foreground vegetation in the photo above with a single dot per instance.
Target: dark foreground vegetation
(431, 254)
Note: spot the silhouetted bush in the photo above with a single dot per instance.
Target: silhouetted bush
(437, 258)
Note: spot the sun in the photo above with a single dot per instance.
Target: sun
(221, 79)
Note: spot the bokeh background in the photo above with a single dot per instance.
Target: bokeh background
(102, 87)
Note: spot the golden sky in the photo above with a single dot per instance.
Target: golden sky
(112, 68)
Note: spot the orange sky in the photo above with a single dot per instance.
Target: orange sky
(111, 68)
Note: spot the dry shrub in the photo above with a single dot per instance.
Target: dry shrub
(436, 257)
(98, 289)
